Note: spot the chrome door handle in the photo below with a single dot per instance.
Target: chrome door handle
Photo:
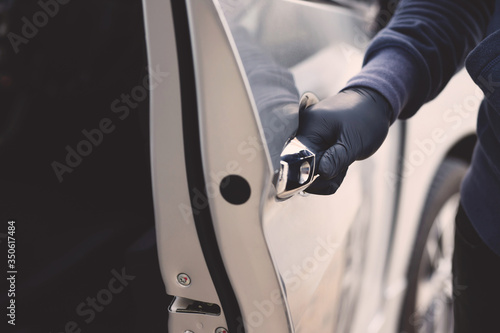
(298, 163)
(297, 168)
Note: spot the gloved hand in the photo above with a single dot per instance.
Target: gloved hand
(343, 128)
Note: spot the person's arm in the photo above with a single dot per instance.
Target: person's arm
(426, 42)
(407, 64)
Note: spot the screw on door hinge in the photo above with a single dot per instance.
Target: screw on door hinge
(221, 330)
(184, 279)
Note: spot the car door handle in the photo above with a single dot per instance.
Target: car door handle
(297, 168)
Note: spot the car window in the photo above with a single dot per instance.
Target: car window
(290, 47)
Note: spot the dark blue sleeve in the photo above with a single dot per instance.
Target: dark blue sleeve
(413, 58)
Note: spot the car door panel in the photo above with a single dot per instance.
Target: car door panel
(287, 262)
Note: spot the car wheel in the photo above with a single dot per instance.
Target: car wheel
(428, 301)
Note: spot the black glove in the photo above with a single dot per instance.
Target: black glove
(343, 128)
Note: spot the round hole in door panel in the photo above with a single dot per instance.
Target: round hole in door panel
(235, 189)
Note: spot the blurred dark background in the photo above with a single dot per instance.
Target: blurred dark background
(71, 235)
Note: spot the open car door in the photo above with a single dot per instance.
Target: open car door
(235, 255)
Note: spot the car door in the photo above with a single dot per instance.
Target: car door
(235, 256)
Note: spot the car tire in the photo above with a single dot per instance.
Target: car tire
(428, 301)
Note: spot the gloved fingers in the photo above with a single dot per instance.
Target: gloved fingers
(324, 186)
(335, 160)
